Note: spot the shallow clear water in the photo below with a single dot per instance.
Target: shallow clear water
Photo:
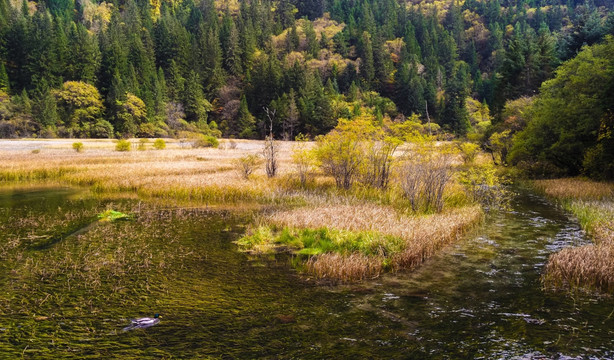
(479, 298)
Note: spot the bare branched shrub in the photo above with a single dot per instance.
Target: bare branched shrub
(438, 173)
(411, 175)
(379, 162)
(302, 159)
(423, 179)
(247, 165)
(174, 115)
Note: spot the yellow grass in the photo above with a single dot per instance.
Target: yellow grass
(591, 266)
(206, 175)
(575, 189)
(422, 235)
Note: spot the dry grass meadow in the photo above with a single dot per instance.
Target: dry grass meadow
(197, 177)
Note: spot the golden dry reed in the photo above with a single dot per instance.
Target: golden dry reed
(588, 267)
(178, 172)
(345, 268)
(422, 235)
(575, 189)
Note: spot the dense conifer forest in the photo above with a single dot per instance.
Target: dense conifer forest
(152, 68)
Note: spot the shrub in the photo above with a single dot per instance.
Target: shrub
(340, 155)
(122, 145)
(159, 144)
(247, 164)
(77, 146)
(205, 141)
(484, 186)
(302, 158)
(142, 144)
(468, 151)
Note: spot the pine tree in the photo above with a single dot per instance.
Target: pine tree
(4, 78)
(175, 83)
(84, 60)
(313, 47)
(194, 100)
(454, 114)
(367, 67)
(245, 120)
(44, 108)
(212, 60)
(229, 38)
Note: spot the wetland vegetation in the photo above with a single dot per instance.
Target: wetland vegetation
(385, 225)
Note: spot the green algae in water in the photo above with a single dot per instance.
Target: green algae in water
(112, 215)
(479, 298)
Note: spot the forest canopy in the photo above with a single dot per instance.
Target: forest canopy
(572, 125)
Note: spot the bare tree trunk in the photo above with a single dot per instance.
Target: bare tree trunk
(270, 147)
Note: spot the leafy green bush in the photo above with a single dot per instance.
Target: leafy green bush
(143, 144)
(122, 145)
(468, 151)
(77, 146)
(159, 144)
(205, 141)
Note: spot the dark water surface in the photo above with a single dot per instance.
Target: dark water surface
(480, 298)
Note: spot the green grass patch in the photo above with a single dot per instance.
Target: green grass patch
(591, 213)
(112, 215)
(309, 242)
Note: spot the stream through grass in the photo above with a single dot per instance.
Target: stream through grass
(70, 283)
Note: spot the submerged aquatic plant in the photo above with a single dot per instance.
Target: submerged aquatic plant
(112, 215)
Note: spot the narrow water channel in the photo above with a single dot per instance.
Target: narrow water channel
(479, 298)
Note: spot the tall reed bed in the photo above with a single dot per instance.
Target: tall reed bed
(589, 267)
(356, 242)
(575, 189)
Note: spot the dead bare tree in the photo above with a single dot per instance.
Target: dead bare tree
(270, 146)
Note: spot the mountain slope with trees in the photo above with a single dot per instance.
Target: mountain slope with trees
(154, 68)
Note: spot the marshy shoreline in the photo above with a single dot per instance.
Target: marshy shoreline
(588, 267)
(177, 256)
(387, 235)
